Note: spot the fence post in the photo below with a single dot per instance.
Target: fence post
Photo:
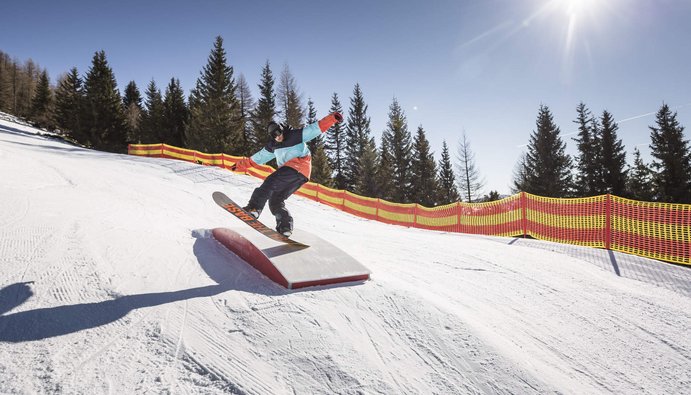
(608, 221)
(459, 226)
(524, 216)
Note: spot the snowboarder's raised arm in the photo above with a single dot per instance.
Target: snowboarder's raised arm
(313, 130)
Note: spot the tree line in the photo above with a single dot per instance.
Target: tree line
(221, 115)
(600, 165)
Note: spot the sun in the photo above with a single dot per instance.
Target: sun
(575, 8)
(580, 17)
(569, 27)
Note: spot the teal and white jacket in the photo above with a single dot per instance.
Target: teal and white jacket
(293, 150)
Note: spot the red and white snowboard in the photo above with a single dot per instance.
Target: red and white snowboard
(230, 206)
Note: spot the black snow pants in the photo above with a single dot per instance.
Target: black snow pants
(277, 187)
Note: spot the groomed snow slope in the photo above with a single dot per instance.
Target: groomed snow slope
(110, 283)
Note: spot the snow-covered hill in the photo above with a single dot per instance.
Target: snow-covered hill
(110, 283)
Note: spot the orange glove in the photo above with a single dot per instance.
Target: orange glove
(243, 164)
(330, 120)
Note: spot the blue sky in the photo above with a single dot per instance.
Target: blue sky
(479, 66)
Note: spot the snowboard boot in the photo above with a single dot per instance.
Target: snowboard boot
(255, 212)
(284, 226)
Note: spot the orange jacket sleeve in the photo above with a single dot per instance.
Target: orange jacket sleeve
(329, 120)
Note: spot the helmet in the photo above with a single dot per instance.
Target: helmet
(274, 129)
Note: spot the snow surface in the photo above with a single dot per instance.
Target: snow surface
(110, 283)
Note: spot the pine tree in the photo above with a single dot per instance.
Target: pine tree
(25, 79)
(396, 138)
(448, 193)
(132, 95)
(490, 197)
(13, 82)
(175, 114)
(132, 105)
(265, 111)
(367, 183)
(385, 174)
(311, 117)
(520, 174)
(336, 146)
(42, 110)
(5, 85)
(69, 100)
(7, 67)
(548, 167)
(612, 157)
(16, 77)
(249, 139)
(357, 137)
(588, 163)
(321, 170)
(423, 171)
(152, 119)
(672, 158)
(104, 121)
(18, 85)
(214, 125)
(289, 100)
(470, 184)
(639, 183)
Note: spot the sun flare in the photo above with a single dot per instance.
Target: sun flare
(577, 7)
(579, 18)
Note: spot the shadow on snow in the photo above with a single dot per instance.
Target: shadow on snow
(228, 271)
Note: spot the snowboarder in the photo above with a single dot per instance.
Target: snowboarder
(294, 168)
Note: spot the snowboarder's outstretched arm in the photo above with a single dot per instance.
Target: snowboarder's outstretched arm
(313, 130)
(297, 136)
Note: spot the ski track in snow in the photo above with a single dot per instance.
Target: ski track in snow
(111, 283)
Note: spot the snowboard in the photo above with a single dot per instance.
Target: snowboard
(230, 206)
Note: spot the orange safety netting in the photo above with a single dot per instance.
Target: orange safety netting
(654, 230)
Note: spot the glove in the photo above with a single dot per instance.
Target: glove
(242, 165)
(330, 120)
